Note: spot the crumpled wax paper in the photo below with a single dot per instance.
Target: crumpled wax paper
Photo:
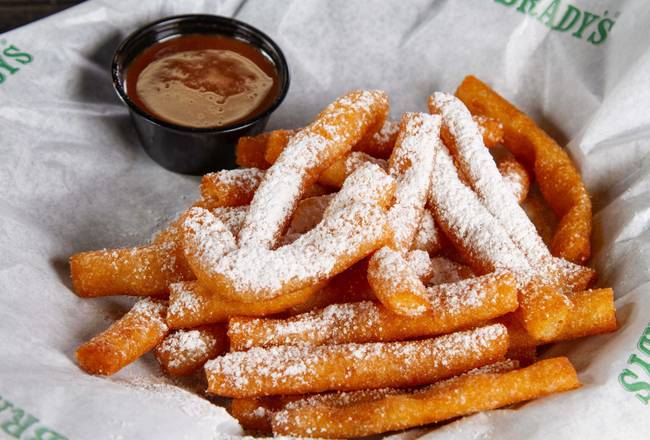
(74, 178)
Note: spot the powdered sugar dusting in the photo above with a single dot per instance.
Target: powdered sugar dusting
(465, 295)
(515, 177)
(479, 167)
(452, 305)
(150, 312)
(351, 222)
(386, 132)
(309, 151)
(420, 262)
(297, 367)
(186, 346)
(446, 271)
(246, 179)
(411, 164)
(183, 301)
(207, 239)
(231, 217)
(334, 324)
(356, 158)
(396, 275)
(428, 237)
(458, 209)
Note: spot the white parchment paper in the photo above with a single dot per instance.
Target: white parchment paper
(73, 178)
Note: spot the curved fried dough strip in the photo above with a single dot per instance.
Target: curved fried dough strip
(558, 178)
(313, 149)
(353, 226)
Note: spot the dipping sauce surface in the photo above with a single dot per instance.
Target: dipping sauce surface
(202, 81)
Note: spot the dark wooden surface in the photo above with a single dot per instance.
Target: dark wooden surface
(15, 13)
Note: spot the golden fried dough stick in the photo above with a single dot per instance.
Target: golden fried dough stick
(378, 144)
(183, 352)
(394, 281)
(396, 284)
(144, 270)
(250, 150)
(463, 395)
(353, 226)
(454, 306)
(515, 177)
(480, 170)
(140, 271)
(558, 178)
(491, 130)
(411, 165)
(304, 369)
(543, 309)
(310, 151)
(237, 187)
(593, 313)
(254, 414)
(231, 187)
(467, 223)
(277, 141)
(191, 305)
(134, 334)
(335, 175)
(487, 246)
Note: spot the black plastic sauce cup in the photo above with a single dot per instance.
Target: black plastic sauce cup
(184, 149)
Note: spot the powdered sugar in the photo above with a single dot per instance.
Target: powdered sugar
(394, 271)
(458, 210)
(356, 158)
(308, 152)
(231, 217)
(428, 237)
(465, 295)
(420, 262)
(183, 302)
(446, 271)
(334, 324)
(150, 312)
(207, 239)
(515, 177)
(386, 132)
(291, 369)
(352, 222)
(453, 306)
(185, 346)
(247, 177)
(479, 167)
(411, 164)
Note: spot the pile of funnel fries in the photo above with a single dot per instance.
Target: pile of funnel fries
(359, 275)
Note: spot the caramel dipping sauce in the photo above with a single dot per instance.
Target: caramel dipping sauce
(202, 81)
